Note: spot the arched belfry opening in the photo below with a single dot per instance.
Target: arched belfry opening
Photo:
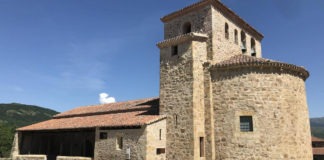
(226, 31)
(186, 28)
(243, 42)
(253, 51)
(235, 37)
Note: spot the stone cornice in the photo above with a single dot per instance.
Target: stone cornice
(182, 38)
(267, 65)
(223, 9)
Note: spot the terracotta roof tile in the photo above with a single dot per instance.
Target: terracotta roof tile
(121, 114)
(318, 151)
(316, 139)
(239, 61)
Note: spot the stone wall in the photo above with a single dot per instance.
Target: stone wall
(135, 139)
(277, 103)
(201, 22)
(199, 57)
(30, 157)
(153, 140)
(181, 97)
(224, 48)
(72, 158)
(210, 21)
(209, 115)
(176, 94)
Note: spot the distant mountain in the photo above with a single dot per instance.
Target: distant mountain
(19, 115)
(317, 126)
(16, 115)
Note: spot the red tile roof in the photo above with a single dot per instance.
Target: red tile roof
(318, 151)
(240, 61)
(316, 139)
(120, 114)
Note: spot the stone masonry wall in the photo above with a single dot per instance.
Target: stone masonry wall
(30, 157)
(277, 102)
(176, 94)
(200, 21)
(225, 48)
(209, 115)
(153, 140)
(133, 138)
(210, 21)
(72, 158)
(182, 98)
(199, 57)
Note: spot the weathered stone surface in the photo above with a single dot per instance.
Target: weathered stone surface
(72, 158)
(203, 103)
(30, 157)
(277, 103)
(223, 48)
(154, 140)
(142, 143)
(135, 139)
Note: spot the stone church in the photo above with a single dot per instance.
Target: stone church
(219, 100)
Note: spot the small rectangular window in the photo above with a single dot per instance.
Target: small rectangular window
(103, 135)
(160, 151)
(174, 50)
(160, 134)
(202, 146)
(246, 124)
(119, 143)
(176, 120)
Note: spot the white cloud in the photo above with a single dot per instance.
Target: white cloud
(105, 99)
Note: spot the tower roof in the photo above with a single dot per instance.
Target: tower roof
(220, 7)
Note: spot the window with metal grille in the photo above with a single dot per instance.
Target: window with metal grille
(246, 124)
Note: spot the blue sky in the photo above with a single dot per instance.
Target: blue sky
(62, 54)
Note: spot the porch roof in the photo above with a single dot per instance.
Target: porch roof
(122, 114)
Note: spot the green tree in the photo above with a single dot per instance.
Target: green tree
(6, 139)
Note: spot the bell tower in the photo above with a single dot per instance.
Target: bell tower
(199, 35)
(182, 55)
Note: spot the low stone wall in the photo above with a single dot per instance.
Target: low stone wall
(72, 158)
(30, 157)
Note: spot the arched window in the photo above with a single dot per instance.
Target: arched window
(243, 42)
(186, 28)
(253, 51)
(226, 31)
(235, 36)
